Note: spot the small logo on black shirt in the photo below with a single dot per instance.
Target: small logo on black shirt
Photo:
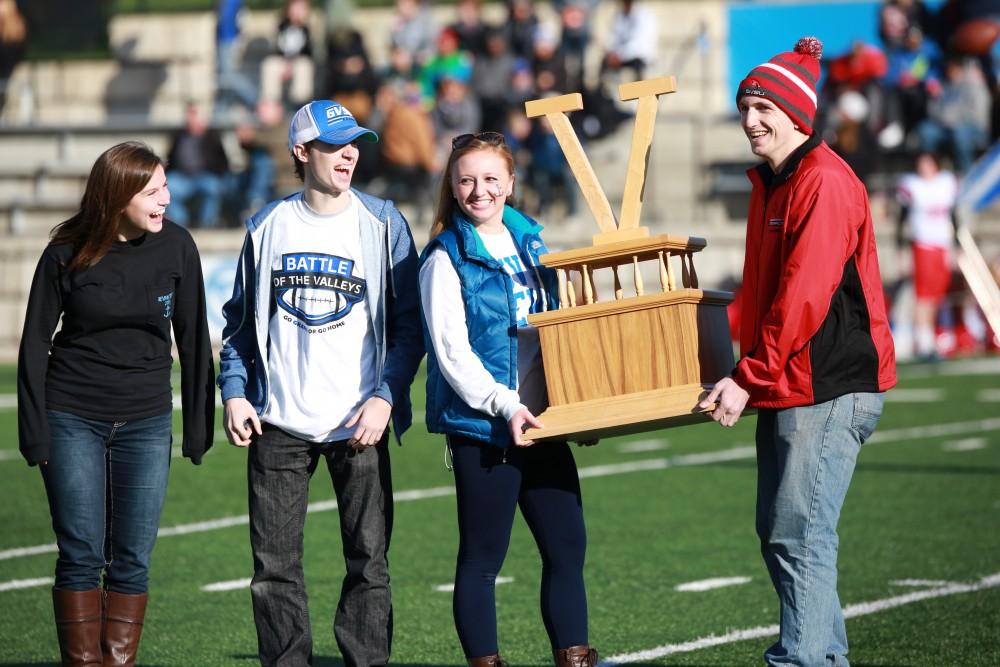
(167, 302)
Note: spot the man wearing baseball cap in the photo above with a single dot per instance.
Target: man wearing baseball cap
(816, 351)
(321, 343)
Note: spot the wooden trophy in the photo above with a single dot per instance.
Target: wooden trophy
(629, 363)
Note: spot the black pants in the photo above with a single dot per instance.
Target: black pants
(279, 468)
(542, 481)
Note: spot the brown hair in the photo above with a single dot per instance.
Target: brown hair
(300, 166)
(117, 176)
(446, 199)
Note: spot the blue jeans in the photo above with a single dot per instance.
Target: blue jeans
(106, 482)
(204, 186)
(279, 467)
(805, 460)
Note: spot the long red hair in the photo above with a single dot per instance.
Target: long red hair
(446, 198)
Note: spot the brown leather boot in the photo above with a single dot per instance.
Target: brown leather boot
(487, 661)
(78, 626)
(576, 656)
(123, 616)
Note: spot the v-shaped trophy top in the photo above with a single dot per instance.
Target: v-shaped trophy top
(555, 108)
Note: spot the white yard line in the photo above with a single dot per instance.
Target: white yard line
(638, 446)
(988, 396)
(965, 445)
(448, 588)
(921, 583)
(710, 584)
(26, 583)
(914, 396)
(234, 585)
(733, 454)
(850, 611)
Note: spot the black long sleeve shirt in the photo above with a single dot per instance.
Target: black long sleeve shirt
(111, 359)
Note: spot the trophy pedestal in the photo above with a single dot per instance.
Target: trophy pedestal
(632, 364)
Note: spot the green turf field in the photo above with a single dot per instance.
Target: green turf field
(919, 565)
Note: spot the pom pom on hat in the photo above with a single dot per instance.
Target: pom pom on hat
(789, 80)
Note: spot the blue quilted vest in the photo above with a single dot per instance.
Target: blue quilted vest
(490, 312)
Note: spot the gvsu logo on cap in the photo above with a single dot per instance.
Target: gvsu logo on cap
(336, 112)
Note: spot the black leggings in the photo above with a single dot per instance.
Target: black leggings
(543, 481)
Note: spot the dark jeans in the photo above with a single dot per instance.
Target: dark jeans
(279, 468)
(106, 482)
(490, 484)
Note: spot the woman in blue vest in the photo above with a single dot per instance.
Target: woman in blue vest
(479, 279)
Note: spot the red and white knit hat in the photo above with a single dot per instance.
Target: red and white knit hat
(789, 80)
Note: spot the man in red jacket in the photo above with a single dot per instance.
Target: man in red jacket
(816, 351)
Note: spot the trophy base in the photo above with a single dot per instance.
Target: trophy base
(624, 415)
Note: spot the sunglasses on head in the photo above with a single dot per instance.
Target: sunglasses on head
(463, 140)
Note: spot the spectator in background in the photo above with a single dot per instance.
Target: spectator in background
(850, 135)
(407, 147)
(455, 113)
(13, 31)
(912, 74)
(491, 80)
(350, 77)
(896, 17)
(289, 73)
(958, 115)
(231, 83)
(575, 21)
(469, 27)
(632, 41)
(927, 200)
(196, 170)
(413, 30)
(550, 66)
(520, 27)
(549, 174)
(448, 60)
(254, 186)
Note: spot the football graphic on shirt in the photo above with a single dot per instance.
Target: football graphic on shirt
(316, 288)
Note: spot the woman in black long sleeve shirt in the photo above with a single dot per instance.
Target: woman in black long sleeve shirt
(94, 400)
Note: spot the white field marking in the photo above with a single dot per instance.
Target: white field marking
(638, 446)
(988, 396)
(26, 583)
(448, 588)
(990, 366)
(922, 583)
(850, 611)
(966, 445)
(936, 430)
(9, 455)
(233, 585)
(733, 454)
(709, 584)
(8, 401)
(914, 395)
(420, 494)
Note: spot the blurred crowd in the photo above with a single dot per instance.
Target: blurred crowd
(929, 85)
(442, 79)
